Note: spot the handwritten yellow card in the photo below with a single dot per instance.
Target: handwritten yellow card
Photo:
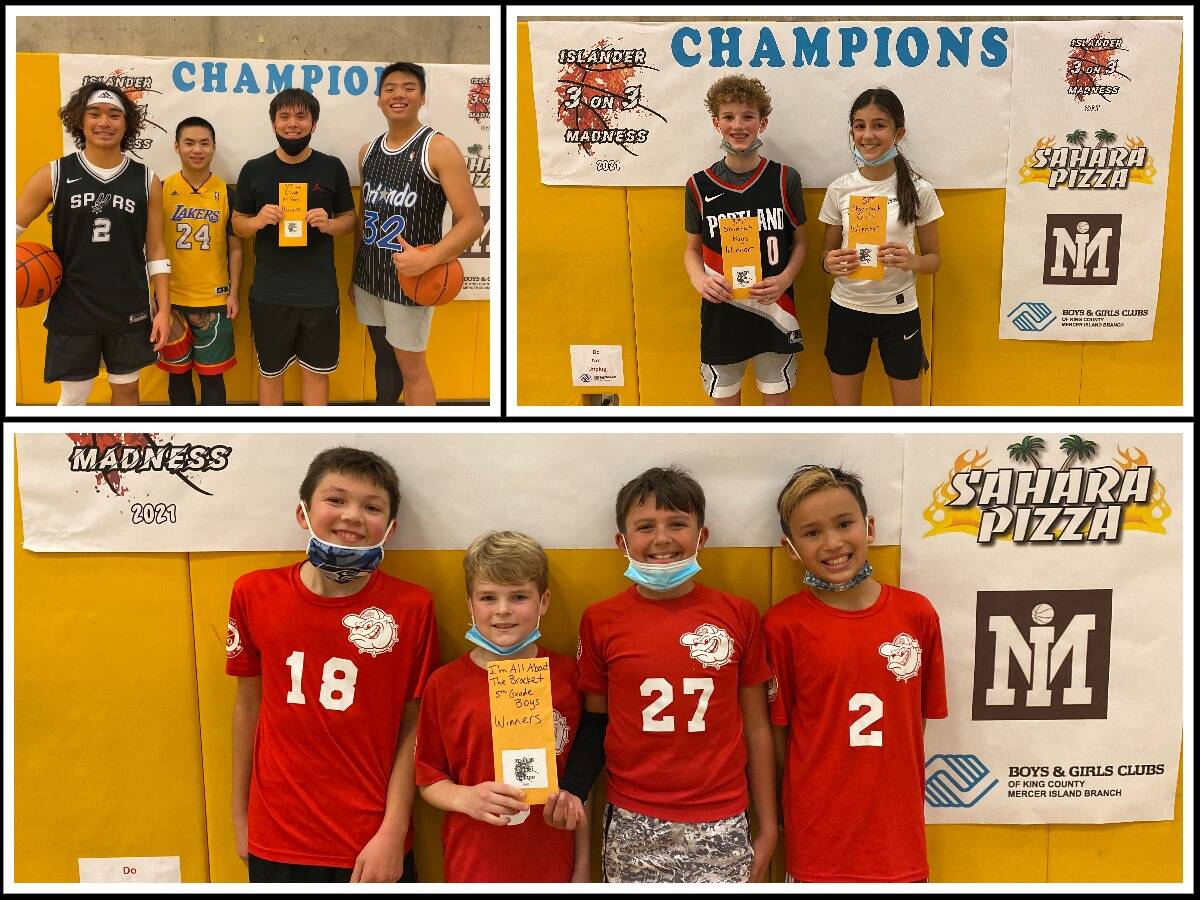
(293, 198)
(740, 255)
(523, 726)
(868, 229)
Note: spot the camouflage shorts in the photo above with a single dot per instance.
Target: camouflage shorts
(640, 848)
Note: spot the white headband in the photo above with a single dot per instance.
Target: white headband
(103, 95)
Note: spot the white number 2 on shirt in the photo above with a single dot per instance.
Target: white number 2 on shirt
(337, 678)
(859, 736)
(666, 694)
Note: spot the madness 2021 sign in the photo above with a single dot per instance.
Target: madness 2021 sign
(235, 95)
(1053, 561)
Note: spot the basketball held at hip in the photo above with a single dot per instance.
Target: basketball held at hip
(39, 273)
(435, 287)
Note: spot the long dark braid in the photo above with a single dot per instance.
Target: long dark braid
(906, 191)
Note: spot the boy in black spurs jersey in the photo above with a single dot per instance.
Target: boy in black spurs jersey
(408, 175)
(294, 295)
(106, 224)
(764, 327)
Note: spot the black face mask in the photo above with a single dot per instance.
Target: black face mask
(293, 146)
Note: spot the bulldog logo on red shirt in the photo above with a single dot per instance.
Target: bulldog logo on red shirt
(903, 654)
(233, 640)
(372, 631)
(712, 647)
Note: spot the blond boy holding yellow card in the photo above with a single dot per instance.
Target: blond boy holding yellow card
(497, 723)
(872, 217)
(745, 221)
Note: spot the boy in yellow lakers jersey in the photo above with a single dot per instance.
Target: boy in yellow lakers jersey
(206, 264)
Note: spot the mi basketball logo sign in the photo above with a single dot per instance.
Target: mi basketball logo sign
(1042, 654)
(1082, 249)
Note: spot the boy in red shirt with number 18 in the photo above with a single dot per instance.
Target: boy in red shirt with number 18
(331, 657)
(858, 667)
(676, 674)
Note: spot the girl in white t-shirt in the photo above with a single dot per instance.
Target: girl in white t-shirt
(863, 311)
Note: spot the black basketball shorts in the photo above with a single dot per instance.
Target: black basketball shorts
(283, 335)
(76, 357)
(851, 332)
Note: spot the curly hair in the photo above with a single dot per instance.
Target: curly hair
(72, 114)
(738, 89)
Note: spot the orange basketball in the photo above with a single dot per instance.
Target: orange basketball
(438, 286)
(39, 273)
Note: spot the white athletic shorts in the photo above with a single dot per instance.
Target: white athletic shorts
(775, 373)
(406, 327)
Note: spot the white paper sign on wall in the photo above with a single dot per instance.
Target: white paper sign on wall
(597, 364)
(160, 869)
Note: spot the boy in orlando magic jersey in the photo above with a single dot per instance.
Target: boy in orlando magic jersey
(106, 223)
(408, 175)
(763, 327)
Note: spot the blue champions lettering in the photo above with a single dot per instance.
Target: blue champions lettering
(881, 48)
(254, 79)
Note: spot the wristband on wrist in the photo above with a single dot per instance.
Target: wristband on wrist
(158, 267)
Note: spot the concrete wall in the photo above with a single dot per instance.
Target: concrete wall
(433, 39)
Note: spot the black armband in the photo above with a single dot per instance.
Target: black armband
(587, 755)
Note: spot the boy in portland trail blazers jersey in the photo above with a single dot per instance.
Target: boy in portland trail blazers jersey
(858, 667)
(489, 833)
(744, 184)
(106, 227)
(331, 657)
(409, 173)
(676, 674)
(206, 267)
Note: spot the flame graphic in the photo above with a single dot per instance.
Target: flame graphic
(944, 519)
(1151, 515)
(1027, 170)
(1144, 175)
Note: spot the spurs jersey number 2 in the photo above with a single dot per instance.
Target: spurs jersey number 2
(98, 228)
(401, 196)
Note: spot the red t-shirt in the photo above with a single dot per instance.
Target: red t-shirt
(672, 670)
(454, 741)
(853, 688)
(336, 673)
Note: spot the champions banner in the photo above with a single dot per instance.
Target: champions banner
(194, 492)
(1089, 153)
(620, 103)
(1053, 561)
(235, 95)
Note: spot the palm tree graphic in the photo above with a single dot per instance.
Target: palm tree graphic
(1027, 450)
(1076, 448)
(1105, 137)
(1077, 137)
(475, 149)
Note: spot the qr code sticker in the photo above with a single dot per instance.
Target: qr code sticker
(293, 228)
(525, 768)
(743, 276)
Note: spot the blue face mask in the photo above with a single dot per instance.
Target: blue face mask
(338, 563)
(475, 637)
(662, 576)
(813, 581)
(861, 161)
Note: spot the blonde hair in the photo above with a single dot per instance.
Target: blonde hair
(738, 89)
(506, 557)
(808, 480)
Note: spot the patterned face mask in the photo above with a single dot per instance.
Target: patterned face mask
(813, 581)
(342, 564)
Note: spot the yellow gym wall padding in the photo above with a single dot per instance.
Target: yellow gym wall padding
(573, 277)
(960, 305)
(106, 739)
(458, 374)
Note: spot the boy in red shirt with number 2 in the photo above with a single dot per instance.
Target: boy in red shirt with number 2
(858, 667)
